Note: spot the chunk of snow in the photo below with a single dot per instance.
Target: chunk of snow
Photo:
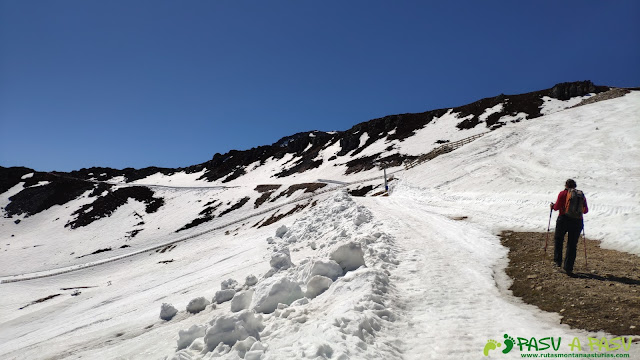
(243, 346)
(167, 312)
(317, 285)
(281, 259)
(349, 256)
(229, 284)
(273, 291)
(250, 280)
(242, 300)
(186, 337)
(229, 329)
(224, 296)
(198, 304)
(327, 268)
(281, 231)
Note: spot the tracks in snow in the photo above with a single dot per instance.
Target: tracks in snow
(446, 284)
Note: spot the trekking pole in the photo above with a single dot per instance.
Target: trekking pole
(584, 239)
(546, 242)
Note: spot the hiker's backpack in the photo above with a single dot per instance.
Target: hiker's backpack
(574, 206)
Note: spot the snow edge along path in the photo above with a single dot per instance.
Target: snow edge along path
(331, 299)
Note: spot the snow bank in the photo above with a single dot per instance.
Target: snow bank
(325, 304)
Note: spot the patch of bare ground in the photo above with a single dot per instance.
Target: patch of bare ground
(40, 300)
(261, 200)
(607, 95)
(266, 188)
(275, 217)
(361, 191)
(603, 295)
(307, 187)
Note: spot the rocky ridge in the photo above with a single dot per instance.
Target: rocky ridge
(43, 190)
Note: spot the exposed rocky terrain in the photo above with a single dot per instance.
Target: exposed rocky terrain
(603, 294)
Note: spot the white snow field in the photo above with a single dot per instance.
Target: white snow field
(416, 275)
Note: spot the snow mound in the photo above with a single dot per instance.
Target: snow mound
(186, 337)
(241, 301)
(317, 285)
(223, 296)
(349, 256)
(229, 284)
(273, 291)
(198, 304)
(250, 280)
(229, 329)
(281, 231)
(167, 312)
(281, 259)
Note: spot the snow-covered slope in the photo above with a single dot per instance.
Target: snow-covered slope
(428, 282)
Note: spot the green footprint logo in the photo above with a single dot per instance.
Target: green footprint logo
(508, 343)
(491, 345)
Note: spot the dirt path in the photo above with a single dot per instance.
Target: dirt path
(603, 295)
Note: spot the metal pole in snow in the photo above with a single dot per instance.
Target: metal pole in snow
(386, 187)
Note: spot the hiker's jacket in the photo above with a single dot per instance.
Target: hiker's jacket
(562, 199)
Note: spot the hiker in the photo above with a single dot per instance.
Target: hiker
(572, 204)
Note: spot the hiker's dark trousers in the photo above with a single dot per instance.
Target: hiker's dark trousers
(566, 224)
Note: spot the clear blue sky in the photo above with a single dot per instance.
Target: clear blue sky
(169, 83)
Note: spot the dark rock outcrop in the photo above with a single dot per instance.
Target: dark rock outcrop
(36, 198)
(106, 204)
(10, 177)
